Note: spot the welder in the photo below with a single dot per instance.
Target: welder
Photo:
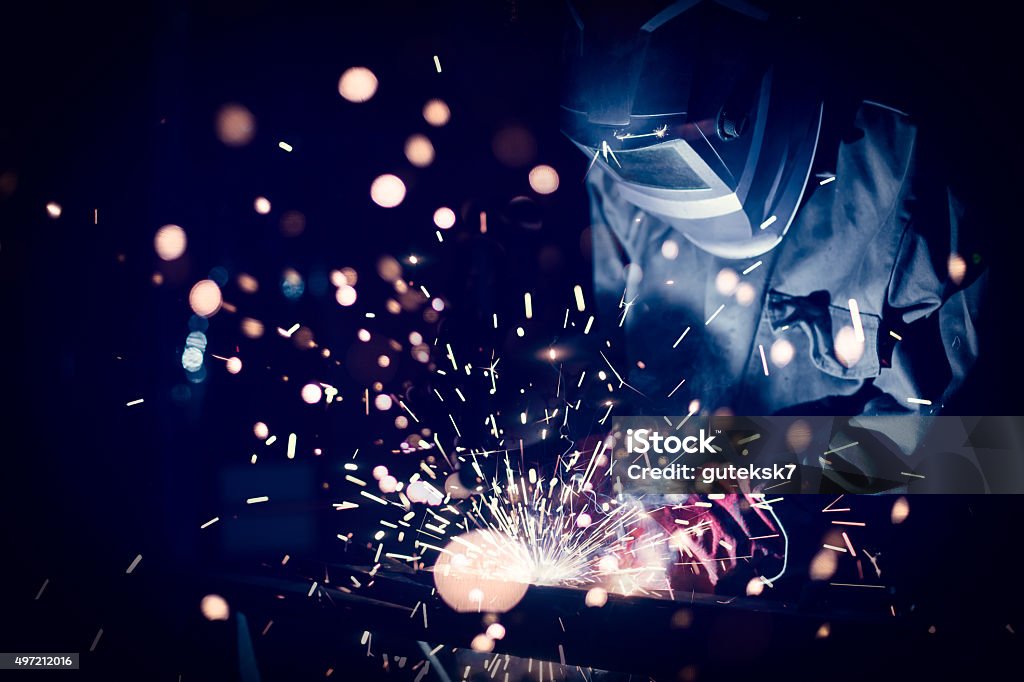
(762, 244)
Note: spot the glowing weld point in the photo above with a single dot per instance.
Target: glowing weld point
(768, 223)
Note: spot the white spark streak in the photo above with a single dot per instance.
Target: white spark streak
(753, 267)
(858, 326)
(714, 315)
(682, 336)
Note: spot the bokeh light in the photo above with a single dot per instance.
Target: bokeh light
(192, 359)
(824, 565)
(436, 113)
(262, 205)
(596, 597)
(419, 151)
(798, 436)
(482, 644)
(543, 179)
(745, 293)
(248, 283)
(957, 267)
(726, 281)
(253, 329)
(444, 218)
(782, 352)
(311, 393)
(53, 209)
(848, 348)
(900, 511)
(346, 295)
(474, 574)
(358, 84)
(387, 191)
(389, 269)
(170, 242)
(205, 298)
(292, 284)
(236, 126)
(214, 607)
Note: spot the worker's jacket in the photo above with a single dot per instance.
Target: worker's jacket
(867, 305)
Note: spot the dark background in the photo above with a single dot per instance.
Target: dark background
(112, 108)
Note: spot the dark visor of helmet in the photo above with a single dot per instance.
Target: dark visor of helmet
(660, 166)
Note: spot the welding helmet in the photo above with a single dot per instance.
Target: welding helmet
(697, 110)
